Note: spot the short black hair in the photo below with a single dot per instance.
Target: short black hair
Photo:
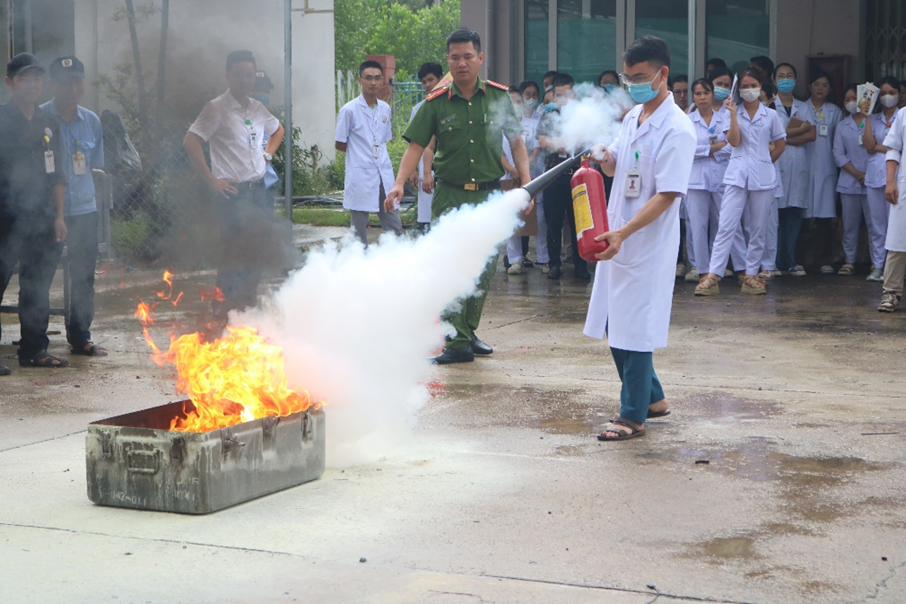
(892, 81)
(768, 88)
(550, 74)
(462, 35)
(790, 65)
(608, 71)
(650, 49)
(563, 79)
(765, 63)
(529, 84)
(704, 83)
(370, 65)
(240, 56)
(819, 74)
(675, 79)
(718, 72)
(430, 69)
(716, 62)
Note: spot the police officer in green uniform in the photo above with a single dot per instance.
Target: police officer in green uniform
(469, 117)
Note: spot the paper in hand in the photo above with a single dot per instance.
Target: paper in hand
(867, 93)
(733, 88)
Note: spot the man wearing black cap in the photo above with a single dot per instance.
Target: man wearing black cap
(82, 146)
(32, 227)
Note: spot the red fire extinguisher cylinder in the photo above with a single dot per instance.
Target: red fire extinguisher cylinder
(590, 210)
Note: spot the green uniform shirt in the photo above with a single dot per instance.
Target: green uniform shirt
(469, 132)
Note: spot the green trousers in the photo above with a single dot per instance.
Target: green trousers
(465, 314)
(641, 387)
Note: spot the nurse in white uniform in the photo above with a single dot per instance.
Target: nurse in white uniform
(852, 159)
(822, 170)
(749, 185)
(429, 74)
(706, 182)
(631, 300)
(793, 165)
(876, 129)
(895, 194)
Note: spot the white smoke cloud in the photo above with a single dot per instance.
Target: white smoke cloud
(357, 326)
(594, 117)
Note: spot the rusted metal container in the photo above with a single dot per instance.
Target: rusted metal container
(136, 461)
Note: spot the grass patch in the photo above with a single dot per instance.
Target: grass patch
(338, 217)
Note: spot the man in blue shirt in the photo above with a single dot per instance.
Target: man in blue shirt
(82, 146)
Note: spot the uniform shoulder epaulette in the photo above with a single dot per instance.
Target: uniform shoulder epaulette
(437, 92)
(496, 85)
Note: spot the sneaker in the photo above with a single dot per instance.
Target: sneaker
(680, 270)
(545, 268)
(755, 285)
(708, 285)
(692, 276)
(776, 273)
(876, 274)
(515, 269)
(796, 271)
(826, 269)
(846, 269)
(889, 302)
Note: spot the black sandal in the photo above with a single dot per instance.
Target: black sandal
(89, 349)
(42, 359)
(634, 431)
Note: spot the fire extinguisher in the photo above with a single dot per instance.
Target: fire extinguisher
(590, 210)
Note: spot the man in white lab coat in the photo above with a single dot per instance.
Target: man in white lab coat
(363, 129)
(650, 161)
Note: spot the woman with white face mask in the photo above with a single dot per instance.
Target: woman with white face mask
(822, 206)
(876, 130)
(793, 166)
(749, 184)
(852, 159)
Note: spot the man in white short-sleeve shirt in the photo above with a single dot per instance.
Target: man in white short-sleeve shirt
(234, 126)
(363, 129)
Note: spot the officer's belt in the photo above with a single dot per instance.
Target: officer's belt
(249, 184)
(471, 186)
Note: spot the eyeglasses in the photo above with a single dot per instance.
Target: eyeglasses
(637, 79)
(377, 78)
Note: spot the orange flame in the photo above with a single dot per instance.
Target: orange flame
(236, 378)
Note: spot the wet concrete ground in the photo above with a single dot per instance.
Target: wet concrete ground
(779, 478)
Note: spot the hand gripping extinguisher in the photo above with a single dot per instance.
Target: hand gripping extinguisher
(590, 210)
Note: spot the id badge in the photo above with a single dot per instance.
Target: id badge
(376, 150)
(49, 165)
(712, 139)
(253, 138)
(822, 129)
(78, 164)
(633, 183)
(861, 144)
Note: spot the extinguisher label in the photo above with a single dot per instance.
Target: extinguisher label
(582, 209)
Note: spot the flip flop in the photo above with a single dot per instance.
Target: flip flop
(42, 359)
(653, 414)
(633, 431)
(89, 349)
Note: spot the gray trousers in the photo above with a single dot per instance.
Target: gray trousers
(390, 222)
(894, 271)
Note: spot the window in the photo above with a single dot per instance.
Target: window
(586, 38)
(737, 31)
(536, 39)
(670, 22)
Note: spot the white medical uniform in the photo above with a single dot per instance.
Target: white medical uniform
(769, 258)
(706, 186)
(749, 183)
(423, 211)
(848, 148)
(633, 292)
(876, 180)
(366, 132)
(794, 162)
(514, 243)
(822, 169)
(896, 226)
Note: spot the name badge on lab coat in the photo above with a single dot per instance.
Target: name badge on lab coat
(633, 183)
(49, 165)
(376, 150)
(822, 129)
(78, 164)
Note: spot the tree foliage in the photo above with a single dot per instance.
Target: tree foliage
(414, 31)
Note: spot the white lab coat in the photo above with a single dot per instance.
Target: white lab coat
(822, 169)
(876, 172)
(896, 225)
(633, 293)
(708, 172)
(750, 165)
(848, 149)
(424, 199)
(361, 128)
(793, 162)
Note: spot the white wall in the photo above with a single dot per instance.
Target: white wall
(202, 33)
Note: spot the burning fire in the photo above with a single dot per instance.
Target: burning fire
(235, 378)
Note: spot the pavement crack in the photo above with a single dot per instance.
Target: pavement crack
(38, 442)
(882, 584)
(517, 321)
(622, 590)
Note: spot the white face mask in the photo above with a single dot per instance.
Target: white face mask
(889, 100)
(852, 107)
(750, 94)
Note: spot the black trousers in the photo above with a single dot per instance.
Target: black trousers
(82, 258)
(29, 240)
(558, 205)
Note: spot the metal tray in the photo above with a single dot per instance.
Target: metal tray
(135, 461)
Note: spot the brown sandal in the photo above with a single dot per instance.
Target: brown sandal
(634, 430)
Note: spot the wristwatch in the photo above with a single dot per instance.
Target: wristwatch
(268, 157)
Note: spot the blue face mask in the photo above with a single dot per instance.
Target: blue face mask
(551, 107)
(609, 88)
(643, 92)
(786, 86)
(721, 94)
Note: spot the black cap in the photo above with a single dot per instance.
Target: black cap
(66, 67)
(262, 82)
(21, 63)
